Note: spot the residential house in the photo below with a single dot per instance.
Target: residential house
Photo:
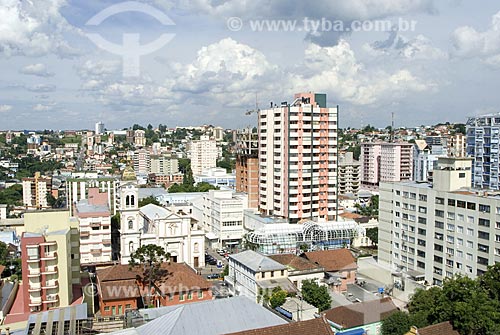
(365, 316)
(340, 267)
(300, 269)
(317, 326)
(443, 328)
(253, 274)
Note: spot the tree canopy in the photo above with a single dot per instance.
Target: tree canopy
(316, 295)
(149, 200)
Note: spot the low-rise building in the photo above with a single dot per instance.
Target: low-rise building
(366, 317)
(254, 275)
(339, 265)
(217, 177)
(123, 288)
(300, 269)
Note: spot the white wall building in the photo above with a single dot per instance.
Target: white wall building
(249, 271)
(164, 164)
(440, 229)
(177, 233)
(217, 177)
(221, 213)
(203, 154)
(142, 162)
(349, 174)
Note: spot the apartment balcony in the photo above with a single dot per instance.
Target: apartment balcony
(106, 240)
(84, 234)
(49, 270)
(34, 302)
(48, 243)
(34, 287)
(51, 298)
(33, 273)
(49, 256)
(95, 251)
(49, 284)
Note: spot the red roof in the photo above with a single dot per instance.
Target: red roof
(333, 260)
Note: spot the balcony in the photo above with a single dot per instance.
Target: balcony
(49, 270)
(34, 287)
(84, 234)
(106, 240)
(95, 251)
(35, 302)
(51, 298)
(49, 284)
(49, 256)
(33, 273)
(48, 243)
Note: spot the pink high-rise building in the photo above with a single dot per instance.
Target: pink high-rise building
(387, 162)
(298, 159)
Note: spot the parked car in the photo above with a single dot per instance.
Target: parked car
(213, 276)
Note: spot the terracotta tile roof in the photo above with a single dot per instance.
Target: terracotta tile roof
(176, 277)
(317, 326)
(295, 262)
(119, 290)
(443, 328)
(361, 313)
(348, 215)
(332, 260)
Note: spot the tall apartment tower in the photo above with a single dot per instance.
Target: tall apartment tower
(35, 191)
(382, 161)
(204, 154)
(483, 136)
(99, 128)
(247, 165)
(349, 174)
(298, 159)
(142, 161)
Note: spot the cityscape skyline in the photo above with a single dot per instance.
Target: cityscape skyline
(213, 70)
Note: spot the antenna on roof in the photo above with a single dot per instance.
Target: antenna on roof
(256, 110)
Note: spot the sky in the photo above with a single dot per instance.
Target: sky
(67, 64)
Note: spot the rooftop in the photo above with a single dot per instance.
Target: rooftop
(443, 328)
(317, 326)
(332, 260)
(221, 316)
(257, 262)
(362, 313)
(294, 262)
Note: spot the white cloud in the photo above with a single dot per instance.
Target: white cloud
(5, 108)
(33, 28)
(468, 42)
(418, 48)
(38, 69)
(42, 88)
(335, 70)
(43, 107)
(228, 72)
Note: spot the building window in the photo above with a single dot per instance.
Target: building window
(190, 296)
(422, 197)
(471, 205)
(439, 201)
(263, 275)
(196, 247)
(283, 271)
(470, 244)
(484, 208)
(460, 203)
(128, 306)
(181, 296)
(483, 235)
(451, 202)
(106, 308)
(200, 294)
(130, 224)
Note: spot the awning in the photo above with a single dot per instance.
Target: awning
(359, 331)
(211, 236)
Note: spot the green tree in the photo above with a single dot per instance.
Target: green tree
(397, 323)
(372, 234)
(225, 272)
(150, 257)
(149, 200)
(278, 297)
(490, 281)
(316, 295)
(424, 305)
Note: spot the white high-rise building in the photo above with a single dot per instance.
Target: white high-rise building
(349, 174)
(483, 137)
(166, 164)
(298, 159)
(438, 230)
(99, 128)
(204, 153)
(142, 161)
